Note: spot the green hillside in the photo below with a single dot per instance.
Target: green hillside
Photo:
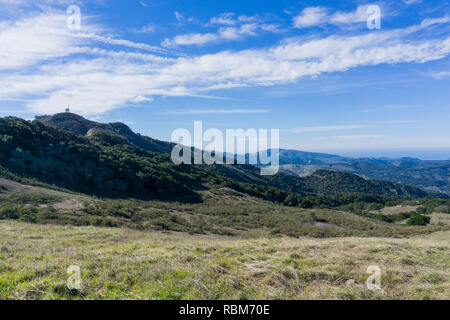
(83, 127)
(431, 176)
(109, 160)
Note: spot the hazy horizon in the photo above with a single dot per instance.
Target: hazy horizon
(422, 154)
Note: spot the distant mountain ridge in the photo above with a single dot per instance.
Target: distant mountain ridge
(304, 157)
(109, 159)
(431, 175)
(289, 156)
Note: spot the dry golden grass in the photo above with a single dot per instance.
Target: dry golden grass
(397, 209)
(440, 218)
(121, 263)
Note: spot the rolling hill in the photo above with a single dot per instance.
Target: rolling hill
(83, 127)
(430, 175)
(110, 160)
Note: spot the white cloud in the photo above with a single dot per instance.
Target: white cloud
(317, 16)
(190, 39)
(359, 15)
(244, 18)
(440, 74)
(179, 16)
(431, 21)
(408, 2)
(182, 19)
(140, 99)
(295, 59)
(228, 29)
(39, 38)
(311, 16)
(45, 37)
(101, 80)
(144, 29)
(223, 34)
(121, 42)
(224, 19)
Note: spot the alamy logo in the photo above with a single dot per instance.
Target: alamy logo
(374, 281)
(240, 146)
(374, 19)
(73, 17)
(74, 280)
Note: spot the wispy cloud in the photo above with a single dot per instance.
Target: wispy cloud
(121, 42)
(97, 80)
(215, 111)
(311, 16)
(35, 39)
(439, 74)
(182, 19)
(230, 29)
(141, 99)
(190, 39)
(144, 29)
(223, 34)
(317, 16)
(226, 18)
(359, 15)
(408, 2)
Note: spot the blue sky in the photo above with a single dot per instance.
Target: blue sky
(309, 68)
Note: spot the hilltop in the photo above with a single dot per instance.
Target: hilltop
(82, 127)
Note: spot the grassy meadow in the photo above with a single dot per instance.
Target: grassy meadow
(119, 263)
(231, 246)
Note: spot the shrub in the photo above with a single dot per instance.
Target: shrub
(418, 220)
(421, 210)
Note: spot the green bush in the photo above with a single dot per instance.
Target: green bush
(421, 210)
(418, 220)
